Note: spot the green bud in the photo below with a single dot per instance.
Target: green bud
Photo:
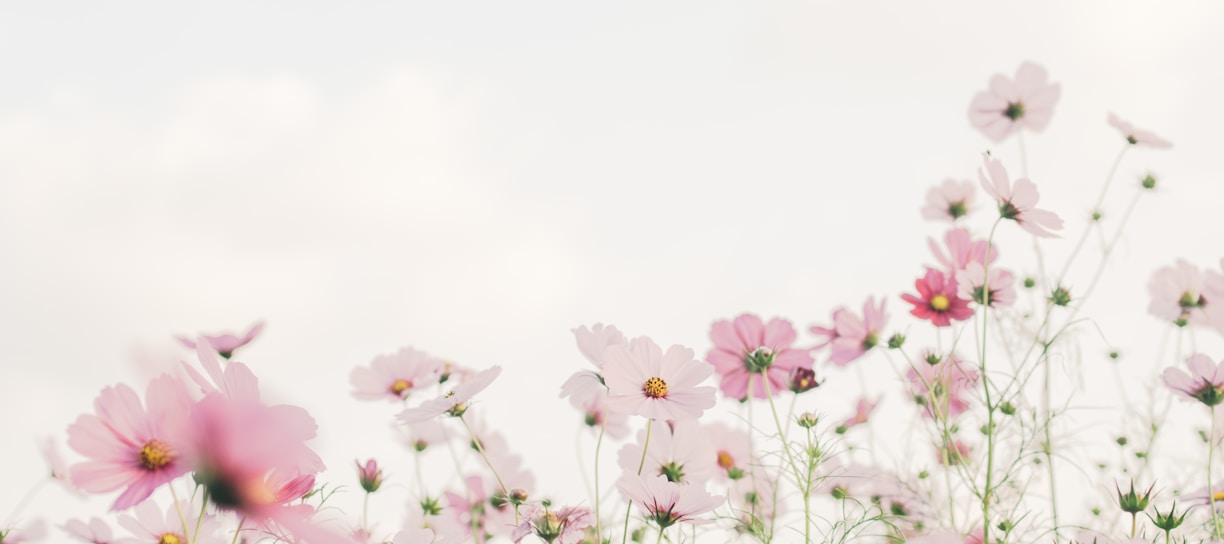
(1060, 296)
(1132, 502)
(1029, 283)
(1149, 182)
(896, 341)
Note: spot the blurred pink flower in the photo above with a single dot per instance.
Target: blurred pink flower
(851, 337)
(949, 201)
(1178, 294)
(49, 448)
(644, 381)
(31, 532)
(421, 435)
(747, 347)
(131, 447)
(564, 526)
(1136, 136)
(454, 401)
(944, 387)
(150, 524)
(962, 250)
(595, 414)
(393, 377)
(862, 411)
(681, 453)
(1018, 201)
(95, 532)
(668, 503)
(225, 343)
(593, 342)
(369, 475)
(730, 450)
(477, 513)
(974, 281)
(1009, 105)
(1204, 383)
(937, 300)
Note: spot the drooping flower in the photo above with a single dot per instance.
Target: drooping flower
(455, 401)
(851, 337)
(394, 377)
(862, 411)
(1178, 294)
(1135, 136)
(937, 300)
(681, 453)
(747, 348)
(668, 503)
(644, 381)
(49, 448)
(562, 526)
(130, 447)
(1009, 105)
(949, 201)
(150, 524)
(994, 288)
(94, 532)
(225, 343)
(962, 250)
(1204, 383)
(942, 384)
(1018, 201)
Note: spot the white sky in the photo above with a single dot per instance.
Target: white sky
(477, 179)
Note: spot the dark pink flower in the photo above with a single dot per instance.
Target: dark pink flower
(937, 300)
(225, 343)
(746, 348)
(1011, 104)
(1136, 136)
(851, 337)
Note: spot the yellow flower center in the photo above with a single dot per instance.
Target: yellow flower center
(725, 460)
(399, 386)
(169, 538)
(655, 387)
(1219, 496)
(155, 454)
(940, 303)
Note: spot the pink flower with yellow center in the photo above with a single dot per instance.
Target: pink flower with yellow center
(938, 300)
(1027, 101)
(749, 350)
(393, 377)
(151, 524)
(643, 380)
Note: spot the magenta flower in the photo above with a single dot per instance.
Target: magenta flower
(680, 453)
(962, 250)
(1009, 105)
(393, 377)
(564, 526)
(950, 201)
(943, 387)
(746, 348)
(454, 401)
(1136, 136)
(131, 447)
(937, 300)
(225, 343)
(851, 337)
(668, 503)
(862, 411)
(95, 532)
(1204, 383)
(644, 381)
(1178, 294)
(994, 288)
(1018, 202)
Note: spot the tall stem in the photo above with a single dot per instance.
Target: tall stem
(790, 459)
(483, 455)
(603, 426)
(990, 428)
(195, 536)
(641, 463)
(178, 507)
(1215, 525)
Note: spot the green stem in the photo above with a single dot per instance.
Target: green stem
(179, 508)
(489, 463)
(195, 536)
(660, 539)
(990, 430)
(790, 457)
(641, 463)
(238, 531)
(603, 425)
(1215, 525)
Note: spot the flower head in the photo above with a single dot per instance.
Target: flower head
(1018, 202)
(950, 201)
(665, 502)
(563, 526)
(94, 532)
(680, 453)
(1011, 104)
(369, 475)
(962, 250)
(942, 386)
(394, 376)
(851, 337)
(152, 524)
(225, 343)
(862, 411)
(1204, 383)
(1136, 136)
(730, 450)
(938, 299)
(747, 348)
(453, 402)
(643, 380)
(995, 288)
(1179, 294)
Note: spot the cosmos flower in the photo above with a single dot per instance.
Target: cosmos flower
(1204, 383)
(668, 503)
(746, 348)
(943, 387)
(151, 524)
(454, 401)
(1179, 294)
(729, 447)
(862, 411)
(644, 381)
(225, 343)
(851, 337)
(681, 453)
(949, 201)
(1011, 104)
(393, 377)
(1018, 202)
(566, 525)
(1136, 136)
(94, 532)
(937, 300)
(962, 249)
(994, 288)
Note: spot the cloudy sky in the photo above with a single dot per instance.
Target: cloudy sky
(475, 180)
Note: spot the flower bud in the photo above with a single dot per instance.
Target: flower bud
(369, 475)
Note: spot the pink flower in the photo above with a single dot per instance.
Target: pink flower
(1203, 496)
(644, 381)
(962, 250)
(949, 201)
(994, 288)
(1178, 294)
(369, 475)
(585, 386)
(681, 454)
(1136, 136)
(668, 503)
(943, 387)
(730, 448)
(477, 514)
(421, 435)
(393, 377)
(1008, 106)
(1204, 383)
(225, 343)
(937, 300)
(596, 415)
(746, 348)
(851, 337)
(33, 531)
(153, 525)
(1018, 202)
(954, 453)
(453, 402)
(55, 462)
(130, 447)
(95, 532)
(564, 526)
(862, 411)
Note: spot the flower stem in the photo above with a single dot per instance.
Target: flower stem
(1215, 525)
(480, 449)
(238, 531)
(990, 430)
(641, 463)
(603, 425)
(179, 508)
(195, 536)
(790, 458)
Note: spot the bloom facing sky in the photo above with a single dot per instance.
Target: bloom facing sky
(668, 503)
(643, 380)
